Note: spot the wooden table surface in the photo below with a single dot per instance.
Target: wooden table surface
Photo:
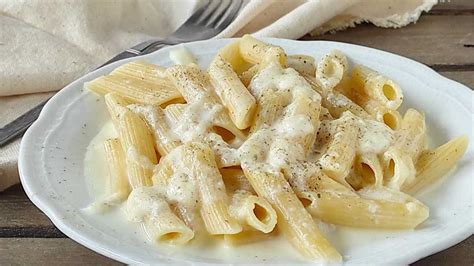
(442, 39)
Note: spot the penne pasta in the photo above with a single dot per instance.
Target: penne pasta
(248, 74)
(331, 69)
(398, 168)
(116, 105)
(369, 169)
(433, 164)
(234, 179)
(118, 181)
(305, 65)
(248, 237)
(293, 220)
(135, 90)
(231, 54)
(269, 109)
(376, 87)
(412, 135)
(165, 139)
(197, 161)
(258, 52)
(362, 212)
(339, 156)
(144, 71)
(389, 117)
(232, 93)
(335, 102)
(147, 205)
(215, 208)
(263, 143)
(253, 211)
(370, 207)
(137, 142)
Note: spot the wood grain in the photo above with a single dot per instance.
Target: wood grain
(460, 254)
(52, 251)
(442, 42)
(20, 218)
(453, 7)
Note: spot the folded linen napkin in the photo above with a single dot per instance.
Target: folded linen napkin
(44, 45)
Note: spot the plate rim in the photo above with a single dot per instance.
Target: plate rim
(458, 91)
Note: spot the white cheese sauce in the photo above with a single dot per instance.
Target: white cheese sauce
(95, 163)
(275, 249)
(180, 55)
(271, 149)
(374, 137)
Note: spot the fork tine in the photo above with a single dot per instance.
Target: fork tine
(229, 15)
(196, 15)
(211, 8)
(219, 12)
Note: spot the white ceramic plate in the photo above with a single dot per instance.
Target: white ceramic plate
(53, 149)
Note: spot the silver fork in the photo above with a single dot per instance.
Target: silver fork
(206, 22)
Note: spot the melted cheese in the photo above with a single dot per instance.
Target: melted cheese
(279, 146)
(272, 148)
(196, 125)
(180, 55)
(374, 137)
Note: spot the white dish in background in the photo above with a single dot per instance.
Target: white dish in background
(53, 150)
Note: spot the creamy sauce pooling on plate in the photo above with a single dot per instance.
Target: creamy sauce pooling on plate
(281, 151)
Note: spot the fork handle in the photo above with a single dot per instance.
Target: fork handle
(157, 45)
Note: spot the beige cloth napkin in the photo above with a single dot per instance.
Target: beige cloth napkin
(45, 44)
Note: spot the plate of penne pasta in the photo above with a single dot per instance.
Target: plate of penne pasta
(256, 150)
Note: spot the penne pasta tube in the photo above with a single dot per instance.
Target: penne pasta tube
(339, 156)
(195, 86)
(147, 205)
(309, 108)
(231, 54)
(135, 90)
(367, 213)
(347, 87)
(336, 102)
(412, 134)
(248, 237)
(369, 169)
(377, 87)
(389, 117)
(331, 69)
(370, 207)
(215, 206)
(174, 112)
(232, 93)
(190, 81)
(269, 108)
(248, 74)
(118, 181)
(144, 71)
(155, 117)
(304, 64)
(398, 168)
(137, 142)
(116, 105)
(293, 220)
(255, 51)
(234, 179)
(325, 115)
(433, 164)
(253, 211)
